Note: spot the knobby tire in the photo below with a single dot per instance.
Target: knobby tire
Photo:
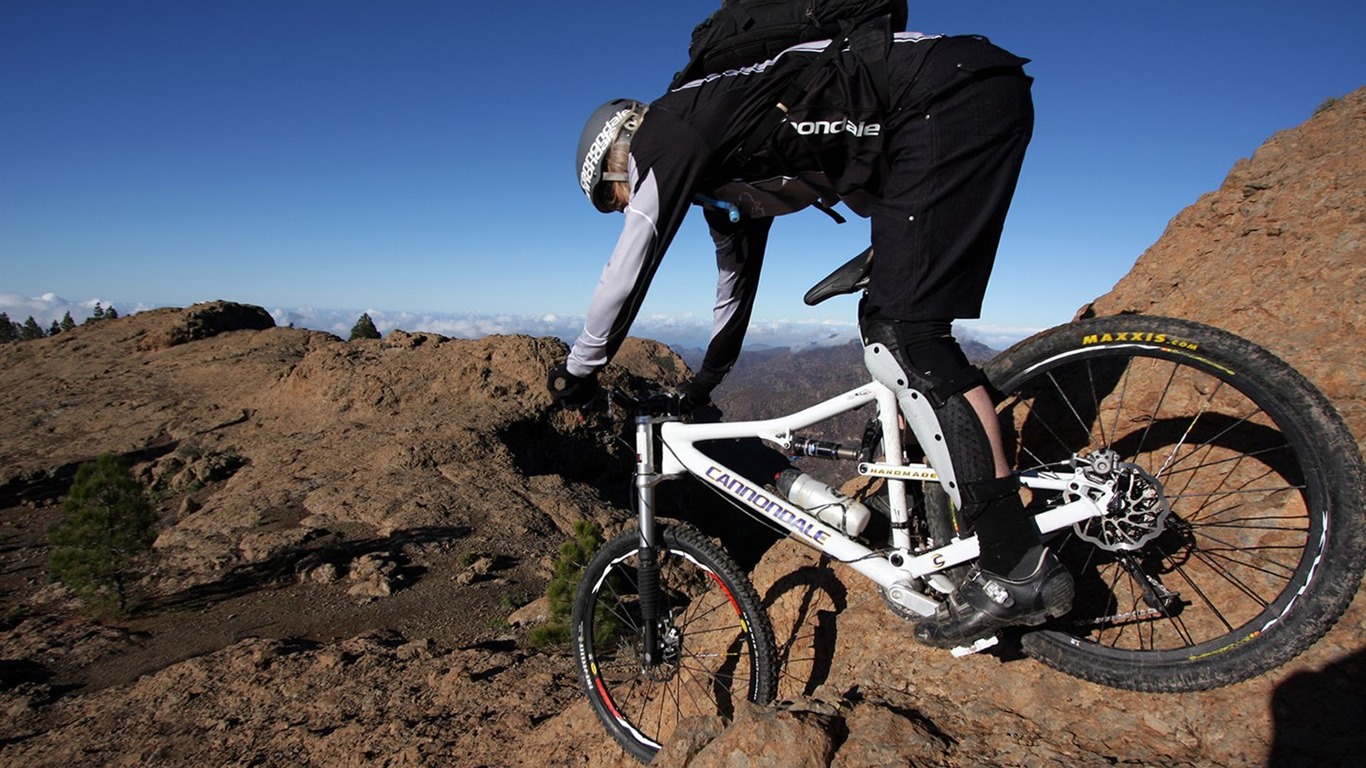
(1264, 543)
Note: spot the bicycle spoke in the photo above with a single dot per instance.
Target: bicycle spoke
(1115, 580)
(1223, 494)
(1214, 439)
(1253, 454)
(1119, 401)
(1081, 422)
(1184, 573)
(1152, 419)
(1225, 574)
(1204, 481)
(707, 664)
(1225, 563)
(1095, 402)
(1177, 625)
(1028, 417)
(1250, 524)
(1251, 551)
(712, 681)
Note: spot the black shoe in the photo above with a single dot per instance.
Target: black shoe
(986, 602)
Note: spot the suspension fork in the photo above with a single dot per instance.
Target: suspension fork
(647, 481)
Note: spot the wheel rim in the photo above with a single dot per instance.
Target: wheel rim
(1236, 538)
(708, 665)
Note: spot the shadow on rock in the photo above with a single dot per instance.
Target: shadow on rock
(804, 607)
(49, 487)
(289, 565)
(1320, 717)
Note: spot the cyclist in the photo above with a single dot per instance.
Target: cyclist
(924, 135)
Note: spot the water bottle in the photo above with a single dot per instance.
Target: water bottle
(827, 504)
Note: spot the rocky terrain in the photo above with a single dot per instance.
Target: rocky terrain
(354, 537)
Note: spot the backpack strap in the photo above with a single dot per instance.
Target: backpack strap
(775, 116)
(828, 211)
(871, 48)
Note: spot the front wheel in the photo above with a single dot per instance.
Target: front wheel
(1238, 538)
(716, 644)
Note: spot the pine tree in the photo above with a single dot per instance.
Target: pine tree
(107, 526)
(364, 328)
(31, 330)
(7, 331)
(67, 322)
(54, 329)
(568, 567)
(95, 316)
(111, 313)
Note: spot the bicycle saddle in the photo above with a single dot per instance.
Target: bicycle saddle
(850, 277)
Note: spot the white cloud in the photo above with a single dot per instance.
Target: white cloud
(460, 326)
(993, 335)
(686, 330)
(49, 307)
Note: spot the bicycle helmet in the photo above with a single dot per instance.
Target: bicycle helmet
(617, 120)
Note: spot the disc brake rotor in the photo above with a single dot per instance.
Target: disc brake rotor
(1137, 509)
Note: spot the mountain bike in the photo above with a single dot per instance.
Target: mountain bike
(1207, 499)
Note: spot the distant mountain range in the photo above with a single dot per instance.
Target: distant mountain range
(814, 372)
(770, 382)
(836, 354)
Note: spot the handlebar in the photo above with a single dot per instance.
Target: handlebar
(652, 405)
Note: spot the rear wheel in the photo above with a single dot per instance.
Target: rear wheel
(1238, 540)
(718, 647)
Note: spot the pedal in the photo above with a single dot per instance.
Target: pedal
(980, 645)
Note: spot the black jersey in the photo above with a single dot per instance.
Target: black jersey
(828, 149)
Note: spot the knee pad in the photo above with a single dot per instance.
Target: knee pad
(929, 355)
(922, 358)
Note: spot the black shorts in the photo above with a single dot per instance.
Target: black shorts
(955, 142)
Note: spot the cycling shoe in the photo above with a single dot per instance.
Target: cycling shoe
(985, 603)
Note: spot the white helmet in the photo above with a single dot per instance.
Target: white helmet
(617, 120)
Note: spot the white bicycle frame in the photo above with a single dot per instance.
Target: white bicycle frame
(897, 569)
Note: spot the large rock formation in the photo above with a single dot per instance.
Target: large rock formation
(1277, 254)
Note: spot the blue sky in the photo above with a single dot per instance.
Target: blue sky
(413, 159)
